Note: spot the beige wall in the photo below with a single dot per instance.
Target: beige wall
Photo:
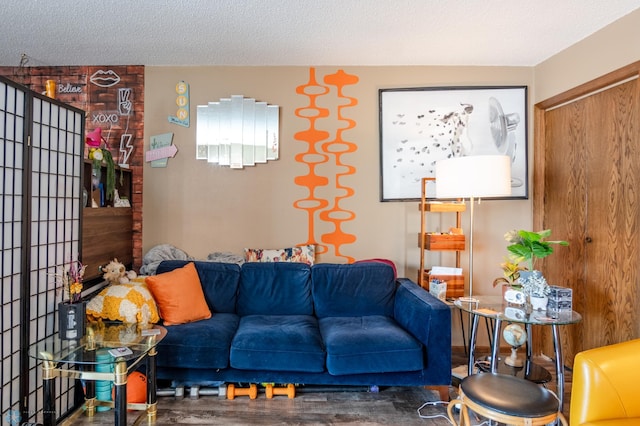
(203, 208)
(609, 49)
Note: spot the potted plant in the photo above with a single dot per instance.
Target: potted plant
(98, 155)
(535, 286)
(71, 313)
(531, 246)
(527, 246)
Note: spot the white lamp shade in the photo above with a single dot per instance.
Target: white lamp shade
(476, 176)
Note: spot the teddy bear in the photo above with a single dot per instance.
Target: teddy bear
(116, 273)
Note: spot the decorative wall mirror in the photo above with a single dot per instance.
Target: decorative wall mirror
(237, 132)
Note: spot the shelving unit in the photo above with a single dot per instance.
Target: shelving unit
(107, 232)
(440, 241)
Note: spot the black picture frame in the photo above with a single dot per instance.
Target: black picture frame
(419, 126)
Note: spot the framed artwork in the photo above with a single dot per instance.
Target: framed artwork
(419, 126)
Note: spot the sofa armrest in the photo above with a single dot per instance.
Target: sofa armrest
(421, 313)
(605, 385)
(428, 319)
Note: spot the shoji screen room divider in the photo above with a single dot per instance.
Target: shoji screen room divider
(41, 157)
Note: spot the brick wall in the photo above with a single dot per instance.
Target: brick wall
(113, 99)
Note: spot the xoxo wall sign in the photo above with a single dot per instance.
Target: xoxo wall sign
(105, 117)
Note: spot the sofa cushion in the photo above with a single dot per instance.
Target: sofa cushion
(369, 344)
(358, 289)
(201, 344)
(278, 342)
(275, 289)
(219, 282)
(179, 295)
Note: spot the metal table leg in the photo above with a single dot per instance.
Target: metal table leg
(489, 325)
(90, 385)
(528, 362)
(557, 345)
(472, 344)
(152, 386)
(48, 393)
(496, 345)
(120, 384)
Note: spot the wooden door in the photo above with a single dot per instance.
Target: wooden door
(590, 182)
(565, 193)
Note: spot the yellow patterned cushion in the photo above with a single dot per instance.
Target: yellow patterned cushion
(131, 303)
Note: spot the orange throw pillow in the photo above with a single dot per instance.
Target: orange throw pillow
(179, 295)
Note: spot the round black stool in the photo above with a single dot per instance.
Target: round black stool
(506, 399)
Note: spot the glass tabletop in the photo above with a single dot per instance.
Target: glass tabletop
(103, 343)
(497, 307)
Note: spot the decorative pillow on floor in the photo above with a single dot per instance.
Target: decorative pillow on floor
(131, 303)
(303, 254)
(179, 295)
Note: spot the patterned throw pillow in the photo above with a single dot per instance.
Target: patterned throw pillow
(302, 254)
(130, 303)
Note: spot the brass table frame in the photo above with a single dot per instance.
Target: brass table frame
(88, 345)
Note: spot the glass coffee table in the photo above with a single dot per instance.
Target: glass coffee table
(108, 351)
(495, 308)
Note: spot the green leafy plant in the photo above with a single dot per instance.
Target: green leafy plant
(111, 174)
(531, 246)
(97, 156)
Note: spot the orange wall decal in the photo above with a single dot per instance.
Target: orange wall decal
(322, 149)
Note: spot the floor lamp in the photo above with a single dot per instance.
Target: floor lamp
(476, 176)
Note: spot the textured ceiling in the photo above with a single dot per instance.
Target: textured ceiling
(298, 32)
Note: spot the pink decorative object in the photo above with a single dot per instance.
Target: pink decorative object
(94, 138)
(160, 153)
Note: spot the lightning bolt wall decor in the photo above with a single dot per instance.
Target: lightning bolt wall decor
(126, 147)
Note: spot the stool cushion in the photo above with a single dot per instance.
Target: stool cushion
(509, 395)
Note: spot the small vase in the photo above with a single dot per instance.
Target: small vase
(71, 319)
(539, 303)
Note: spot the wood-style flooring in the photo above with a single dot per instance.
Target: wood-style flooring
(389, 406)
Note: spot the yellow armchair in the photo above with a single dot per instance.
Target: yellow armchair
(606, 386)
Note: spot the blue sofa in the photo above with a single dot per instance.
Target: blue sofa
(327, 324)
